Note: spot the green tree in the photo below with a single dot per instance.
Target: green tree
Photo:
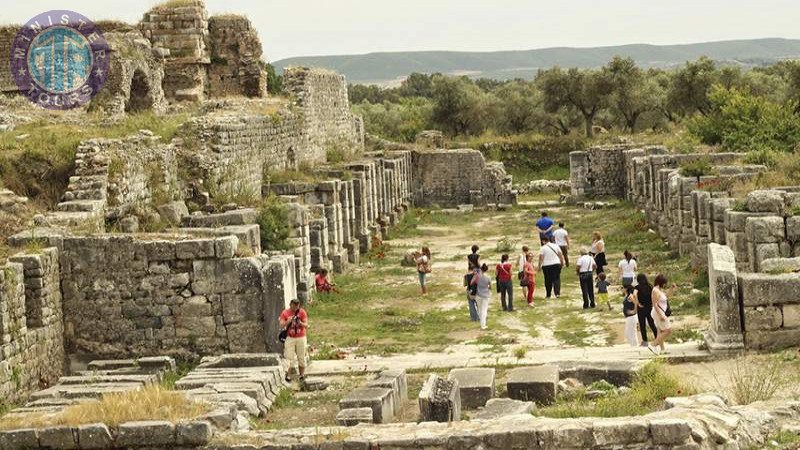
(274, 81)
(417, 85)
(633, 93)
(519, 103)
(586, 91)
(690, 86)
(457, 105)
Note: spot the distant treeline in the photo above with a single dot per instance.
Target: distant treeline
(757, 109)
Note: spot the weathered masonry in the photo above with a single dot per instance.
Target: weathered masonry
(750, 245)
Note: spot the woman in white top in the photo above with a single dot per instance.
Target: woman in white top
(659, 313)
(551, 260)
(598, 251)
(627, 269)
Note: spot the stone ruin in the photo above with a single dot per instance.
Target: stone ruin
(747, 244)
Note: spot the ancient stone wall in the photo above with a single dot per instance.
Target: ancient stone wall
(235, 54)
(7, 35)
(448, 178)
(126, 297)
(31, 325)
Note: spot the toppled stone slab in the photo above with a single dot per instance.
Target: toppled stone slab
(618, 373)
(313, 384)
(537, 384)
(379, 400)
(475, 386)
(236, 217)
(439, 400)
(396, 381)
(354, 416)
(503, 407)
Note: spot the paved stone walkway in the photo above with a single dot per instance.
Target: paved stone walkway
(688, 352)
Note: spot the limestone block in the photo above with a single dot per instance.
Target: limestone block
(763, 230)
(57, 437)
(380, 400)
(439, 400)
(791, 316)
(195, 249)
(195, 433)
(146, 434)
(354, 416)
(793, 228)
(735, 220)
(27, 438)
(769, 201)
(780, 265)
(761, 252)
(618, 373)
(620, 432)
(762, 318)
(503, 407)
(173, 212)
(776, 339)
(670, 431)
(226, 247)
(400, 376)
(475, 386)
(94, 436)
(536, 384)
(186, 326)
(758, 289)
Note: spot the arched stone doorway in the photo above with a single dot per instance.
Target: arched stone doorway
(141, 97)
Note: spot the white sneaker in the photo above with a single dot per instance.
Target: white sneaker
(655, 350)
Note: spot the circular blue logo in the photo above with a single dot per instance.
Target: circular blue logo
(60, 60)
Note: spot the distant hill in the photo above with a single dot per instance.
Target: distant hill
(390, 68)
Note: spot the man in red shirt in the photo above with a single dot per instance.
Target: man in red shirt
(295, 321)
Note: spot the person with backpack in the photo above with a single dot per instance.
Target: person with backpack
(294, 323)
(660, 313)
(505, 287)
(643, 299)
(551, 260)
(629, 312)
(423, 261)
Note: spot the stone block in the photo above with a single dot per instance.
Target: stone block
(94, 436)
(735, 220)
(57, 438)
(793, 228)
(195, 433)
(27, 438)
(195, 249)
(765, 230)
(620, 432)
(173, 212)
(380, 400)
(772, 340)
(225, 247)
(767, 201)
(759, 289)
(791, 316)
(156, 363)
(475, 386)
(400, 376)
(533, 384)
(354, 416)
(780, 265)
(152, 433)
(670, 431)
(439, 400)
(503, 407)
(726, 331)
(762, 318)
(618, 373)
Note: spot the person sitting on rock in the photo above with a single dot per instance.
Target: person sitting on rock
(323, 284)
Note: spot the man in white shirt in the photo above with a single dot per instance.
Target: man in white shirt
(585, 267)
(562, 240)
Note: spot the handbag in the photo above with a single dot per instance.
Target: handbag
(285, 332)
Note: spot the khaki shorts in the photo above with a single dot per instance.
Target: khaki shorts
(294, 350)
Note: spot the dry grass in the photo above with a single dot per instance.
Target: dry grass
(750, 381)
(151, 403)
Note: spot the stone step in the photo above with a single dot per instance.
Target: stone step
(94, 379)
(92, 206)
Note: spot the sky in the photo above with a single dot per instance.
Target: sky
(330, 27)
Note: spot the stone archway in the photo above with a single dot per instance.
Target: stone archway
(141, 97)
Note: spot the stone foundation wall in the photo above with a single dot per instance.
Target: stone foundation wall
(7, 35)
(31, 325)
(127, 297)
(449, 178)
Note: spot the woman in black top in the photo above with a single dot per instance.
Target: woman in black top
(643, 297)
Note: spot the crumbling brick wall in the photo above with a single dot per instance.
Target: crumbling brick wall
(7, 35)
(31, 324)
(235, 55)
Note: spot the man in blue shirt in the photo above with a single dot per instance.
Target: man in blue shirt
(545, 225)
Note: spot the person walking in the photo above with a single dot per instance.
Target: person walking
(661, 312)
(550, 263)
(643, 299)
(602, 290)
(545, 226)
(484, 291)
(473, 268)
(295, 321)
(529, 278)
(521, 260)
(629, 312)
(598, 251)
(585, 268)
(423, 261)
(505, 287)
(562, 240)
(627, 269)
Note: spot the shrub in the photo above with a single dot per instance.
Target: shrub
(697, 168)
(273, 220)
(506, 245)
(751, 382)
(396, 121)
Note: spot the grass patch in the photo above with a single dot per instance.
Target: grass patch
(171, 377)
(151, 403)
(748, 382)
(649, 389)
